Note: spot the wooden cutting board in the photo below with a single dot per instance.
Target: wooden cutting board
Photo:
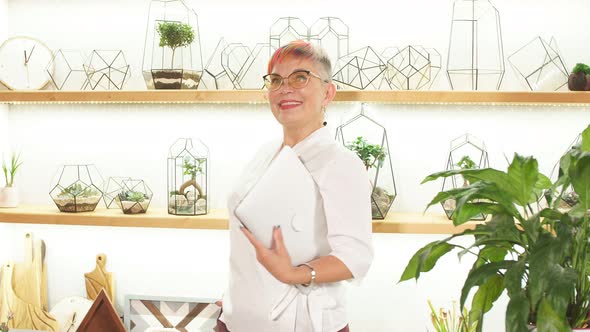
(100, 279)
(28, 274)
(26, 316)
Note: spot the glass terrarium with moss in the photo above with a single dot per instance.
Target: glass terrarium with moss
(135, 196)
(172, 51)
(187, 177)
(466, 152)
(368, 139)
(75, 188)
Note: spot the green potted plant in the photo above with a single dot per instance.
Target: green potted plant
(540, 258)
(133, 202)
(373, 156)
(579, 79)
(174, 35)
(9, 193)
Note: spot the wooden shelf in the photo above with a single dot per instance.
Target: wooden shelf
(259, 97)
(216, 219)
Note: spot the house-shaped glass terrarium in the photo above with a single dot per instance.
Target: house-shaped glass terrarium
(466, 152)
(75, 188)
(368, 139)
(172, 51)
(187, 177)
(135, 196)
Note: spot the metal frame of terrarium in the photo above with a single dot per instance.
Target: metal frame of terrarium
(403, 66)
(566, 201)
(452, 182)
(379, 211)
(190, 201)
(476, 66)
(111, 189)
(322, 29)
(214, 75)
(134, 206)
(71, 197)
(246, 69)
(535, 77)
(155, 67)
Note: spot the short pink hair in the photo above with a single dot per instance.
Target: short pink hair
(300, 49)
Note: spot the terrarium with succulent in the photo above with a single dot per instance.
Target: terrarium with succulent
(187, 178)
(74, 188)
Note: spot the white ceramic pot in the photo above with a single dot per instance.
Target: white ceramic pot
(8, 197)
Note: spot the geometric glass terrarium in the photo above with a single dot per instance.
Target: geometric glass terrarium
(368, 139)
(539, 66)
(214, 76)
(111, 189)
(75, 188)
(172, 54)
(69, 71)
(361, 69)
(135, 196)
(466, 152)
(476, 53)
(187, 177)
(569, 197)
(413, 68)
(107, 70)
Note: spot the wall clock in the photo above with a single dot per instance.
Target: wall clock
(23, 63)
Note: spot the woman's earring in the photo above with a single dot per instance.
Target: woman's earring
(324, 110)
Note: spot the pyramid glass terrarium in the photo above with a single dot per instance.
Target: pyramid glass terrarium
(368, 139)
(172, 52)
(135, 196)
(187, 177)
(75, 188)
(466, 152)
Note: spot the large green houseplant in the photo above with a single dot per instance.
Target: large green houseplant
(541, 258)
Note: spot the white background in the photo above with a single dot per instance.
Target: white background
(133, 140)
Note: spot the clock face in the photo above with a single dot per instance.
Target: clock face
(23, 63)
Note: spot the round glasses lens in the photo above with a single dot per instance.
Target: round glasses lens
(298, 79)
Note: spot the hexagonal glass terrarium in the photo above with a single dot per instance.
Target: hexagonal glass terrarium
(69, 73)
(75, 188)
(476, 53)
(135, 196)
(368, 139)
(187, 177)
(111, 189)
(413, 68)
(466, 152)
(107, 70)
(172, 51)
(331, 33)
(286, 30)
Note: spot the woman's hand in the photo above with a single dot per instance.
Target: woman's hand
(275, 259)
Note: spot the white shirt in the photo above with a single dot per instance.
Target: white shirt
(255, 300)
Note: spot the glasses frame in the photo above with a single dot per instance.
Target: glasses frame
(308, 72)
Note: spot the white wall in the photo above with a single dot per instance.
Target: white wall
(134, 139)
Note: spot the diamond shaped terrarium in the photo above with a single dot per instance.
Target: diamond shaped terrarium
(187, 178)
(368, 139)
(466, 152)
(75, 188)
(135, 196)
(172, 53)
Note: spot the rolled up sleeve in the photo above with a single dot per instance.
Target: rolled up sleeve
(346, 194)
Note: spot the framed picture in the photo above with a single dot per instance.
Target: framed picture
(169, 314)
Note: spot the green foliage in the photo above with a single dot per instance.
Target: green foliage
(540, 258)
(77, 190)
(581, 68)
(133, 196)
(175, 35)
(466, 163)
(370, 154)
(449, 321)
(192, 167)
(10, 169)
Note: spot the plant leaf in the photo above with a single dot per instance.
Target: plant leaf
(425, 259)
(480, 275)
(548, 320)
(517, 312)
(484, 298)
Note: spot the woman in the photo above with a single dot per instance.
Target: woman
(266, 292)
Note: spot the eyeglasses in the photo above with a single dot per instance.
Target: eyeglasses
(297, 80)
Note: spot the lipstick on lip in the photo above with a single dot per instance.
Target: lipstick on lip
(289, 104)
